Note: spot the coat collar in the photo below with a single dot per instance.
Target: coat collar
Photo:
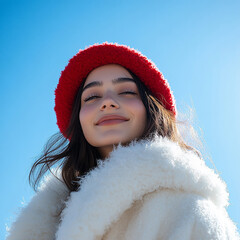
(127, 175)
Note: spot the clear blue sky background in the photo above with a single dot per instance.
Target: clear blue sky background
(196, 44)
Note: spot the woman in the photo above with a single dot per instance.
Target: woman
(124, 171)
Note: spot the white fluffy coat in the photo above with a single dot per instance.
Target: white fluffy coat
(150, 190)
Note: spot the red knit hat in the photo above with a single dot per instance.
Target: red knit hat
(86, 60)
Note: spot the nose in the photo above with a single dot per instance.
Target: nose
(109, 103)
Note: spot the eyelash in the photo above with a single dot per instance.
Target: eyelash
(96, 96)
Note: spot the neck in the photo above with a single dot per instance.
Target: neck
(105, 151)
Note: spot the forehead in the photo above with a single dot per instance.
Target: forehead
(107, 73)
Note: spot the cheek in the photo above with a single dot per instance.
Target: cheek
(85, 115)
(141, 116)
(137, 108)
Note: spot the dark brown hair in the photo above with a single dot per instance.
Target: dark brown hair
(76, 156)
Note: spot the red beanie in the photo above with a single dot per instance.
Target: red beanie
(86, 60)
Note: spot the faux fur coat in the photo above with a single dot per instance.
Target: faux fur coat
(149, 190)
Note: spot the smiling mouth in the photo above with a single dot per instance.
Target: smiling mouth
(111, 122)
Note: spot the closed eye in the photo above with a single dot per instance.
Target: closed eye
(96, 96)
(90, 98)
(128, 92)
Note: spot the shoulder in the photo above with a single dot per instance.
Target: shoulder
(41, 216)
(213, 220)
(163, 163)
(188, 215)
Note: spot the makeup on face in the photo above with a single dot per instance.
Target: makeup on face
(111, 111)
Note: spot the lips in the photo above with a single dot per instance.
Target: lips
(111, 117)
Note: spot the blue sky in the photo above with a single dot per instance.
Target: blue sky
(195, 44)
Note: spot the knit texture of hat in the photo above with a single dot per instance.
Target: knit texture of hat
(86, 60)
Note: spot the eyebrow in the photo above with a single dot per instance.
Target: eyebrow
(114, 81)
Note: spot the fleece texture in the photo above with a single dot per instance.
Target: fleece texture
(97, 55)
(148, 190)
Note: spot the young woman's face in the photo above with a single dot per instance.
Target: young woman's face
(109, 91)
